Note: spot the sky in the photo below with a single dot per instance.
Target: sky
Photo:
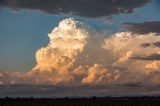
(53, 46)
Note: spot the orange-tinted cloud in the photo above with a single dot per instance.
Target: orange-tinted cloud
(78, 55)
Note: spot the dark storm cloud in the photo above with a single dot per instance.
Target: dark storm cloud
(143, 28)
(86, 8)
(150, 57)
(133, 85)
(153, 44)
(145, 45)
(157, 44)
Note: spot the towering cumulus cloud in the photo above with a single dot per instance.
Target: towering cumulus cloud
(66, 58)
(78, 55)
(67, 41)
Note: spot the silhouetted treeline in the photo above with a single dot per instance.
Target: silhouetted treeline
(81, 101)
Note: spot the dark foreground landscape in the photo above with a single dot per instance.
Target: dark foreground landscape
(94, 101)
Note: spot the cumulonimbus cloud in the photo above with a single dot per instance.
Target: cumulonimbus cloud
(78, 55)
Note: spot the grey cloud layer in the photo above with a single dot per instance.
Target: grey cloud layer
(86, 8)
(143, 28)
(78, 91)
(150, 57)
(154, 44)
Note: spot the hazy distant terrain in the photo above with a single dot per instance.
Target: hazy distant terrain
(94, 101)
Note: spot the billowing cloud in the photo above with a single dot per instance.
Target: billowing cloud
(69, 56)
(85, 8)
(155, 66)
(143, 28)
(98, 73)
(77, 55)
